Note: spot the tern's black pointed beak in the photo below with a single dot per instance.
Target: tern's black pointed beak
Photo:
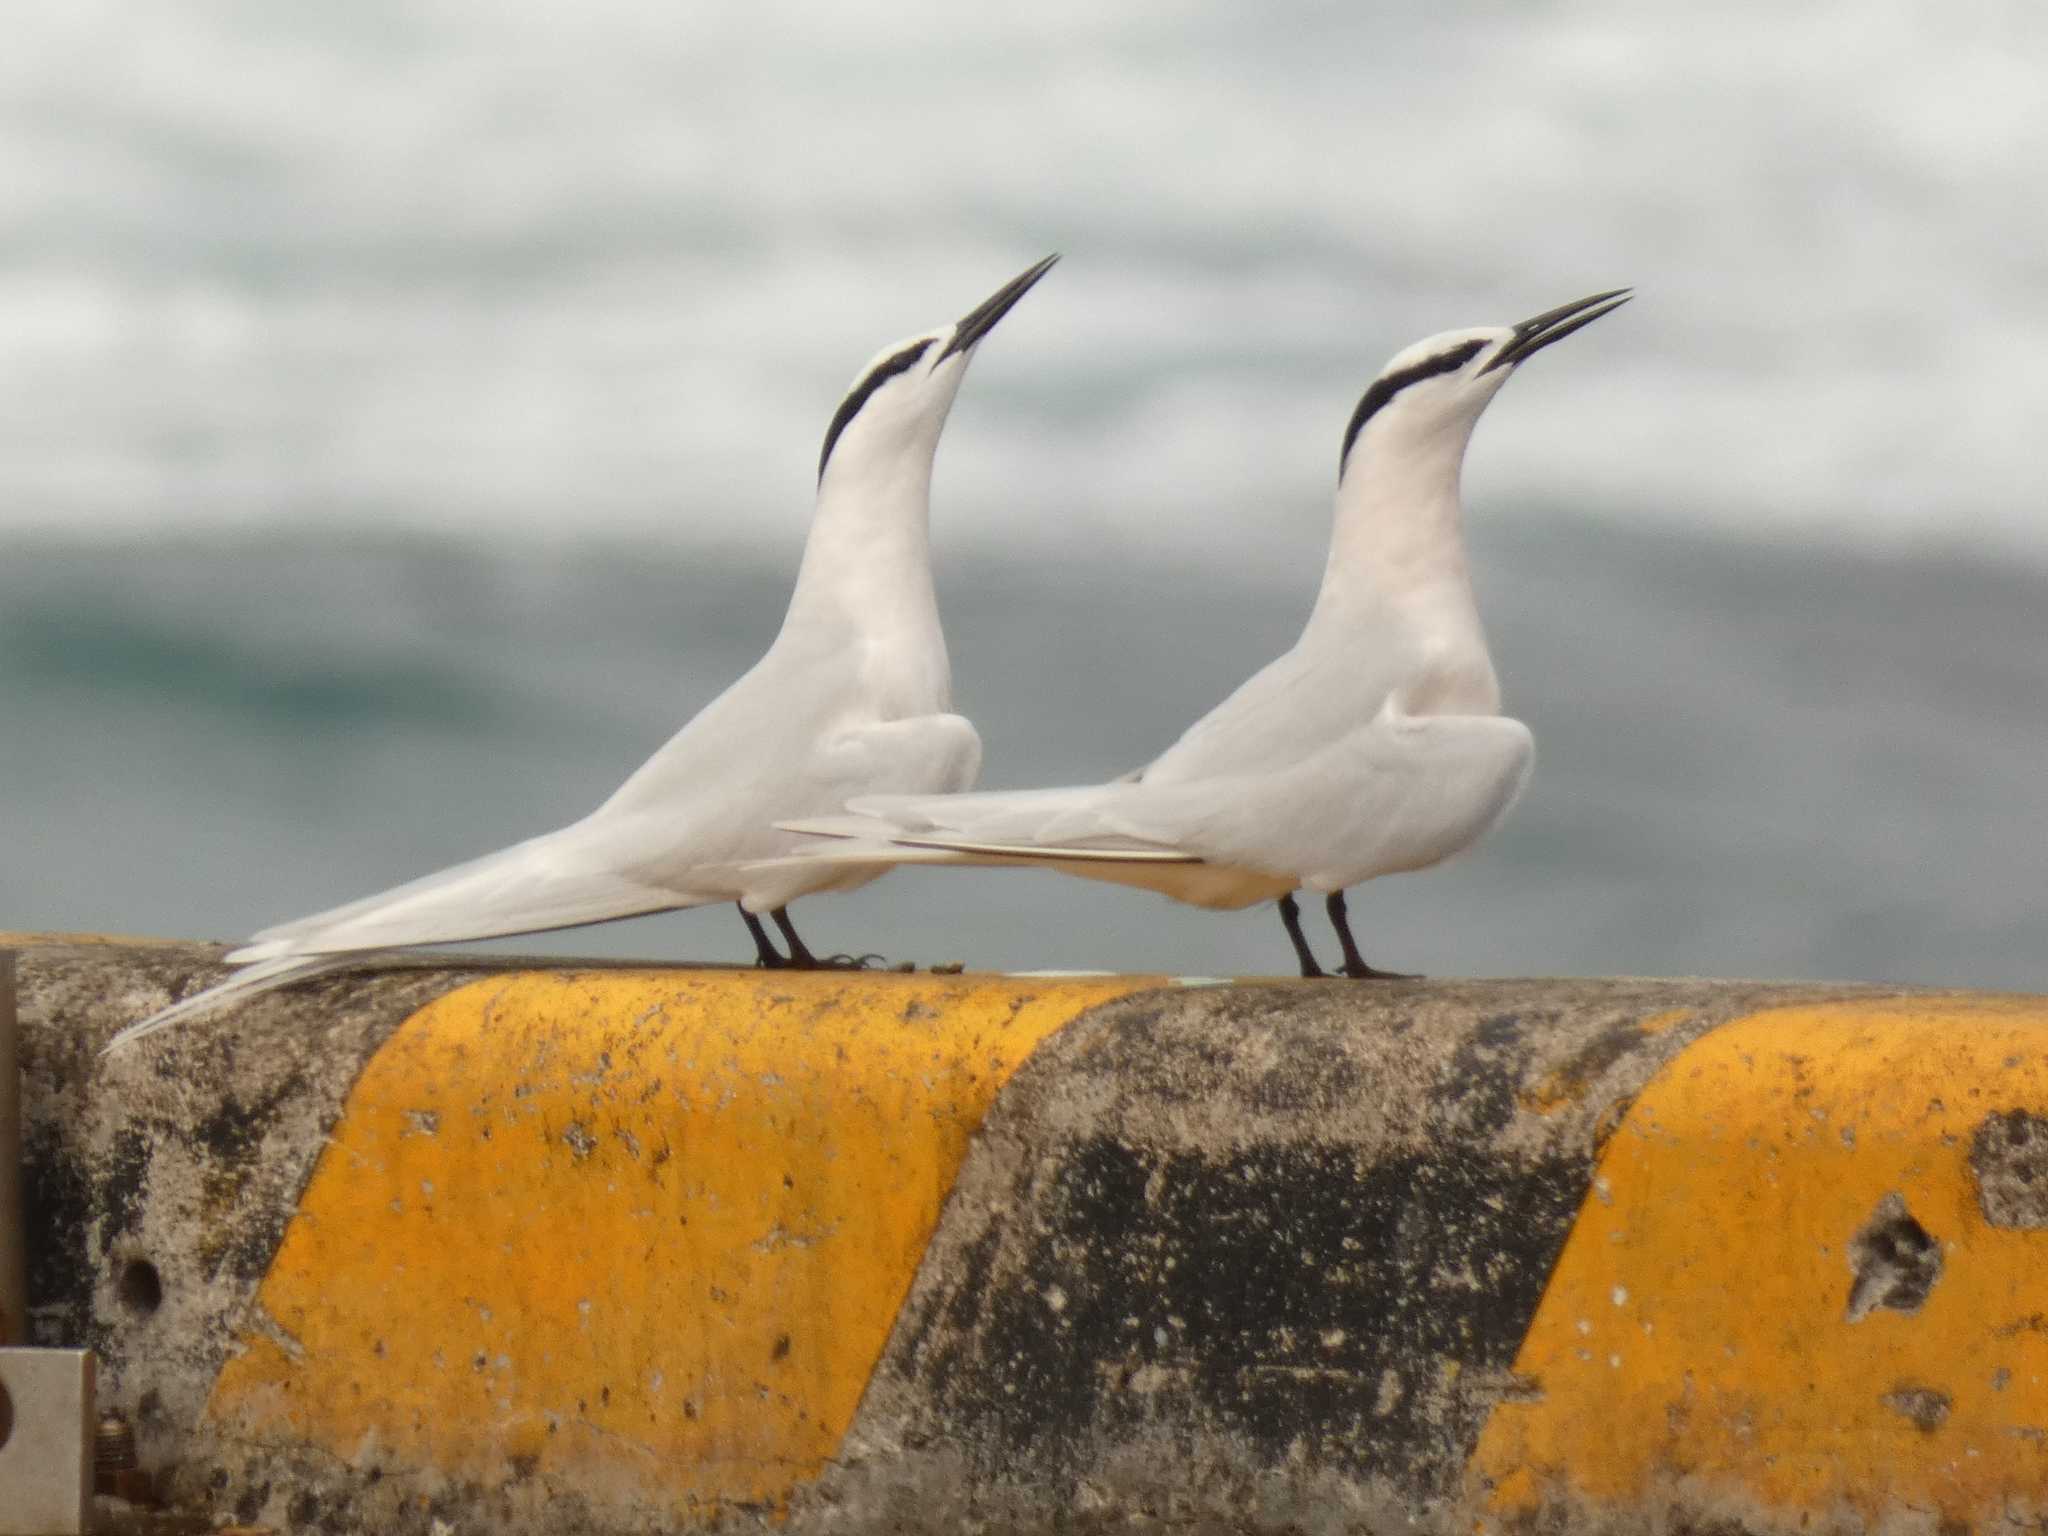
(1539, 331)
(982, 318)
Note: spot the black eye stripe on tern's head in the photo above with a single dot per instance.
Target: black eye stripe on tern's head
(1388, 385)
(975, 325)
(877, 376)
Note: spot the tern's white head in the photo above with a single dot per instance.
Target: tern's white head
(1426, 400)
(893, 414)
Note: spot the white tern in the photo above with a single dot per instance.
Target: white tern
(1376, 745)
(852, 698)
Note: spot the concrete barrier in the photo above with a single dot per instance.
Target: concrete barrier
(13, 1254)
(622, 1249)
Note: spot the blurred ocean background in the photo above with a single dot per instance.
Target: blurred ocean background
(408, 416)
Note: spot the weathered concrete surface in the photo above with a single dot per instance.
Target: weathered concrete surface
(1543, 1256)
(631, 1239)
(1801, 1282)
(582, 1251)
(1261, 1256)
(160, 1182)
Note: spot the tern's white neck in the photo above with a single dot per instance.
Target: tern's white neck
(1397, 573)
(1399, 519)
(867, 575)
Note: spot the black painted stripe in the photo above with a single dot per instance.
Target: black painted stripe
(1312, 1277)
(877, 376)
(1388, 385)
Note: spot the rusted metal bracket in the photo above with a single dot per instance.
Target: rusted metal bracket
(46, 1423)
(46, 1395)
(13, 1239)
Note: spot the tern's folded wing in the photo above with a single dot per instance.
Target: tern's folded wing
(1400, 794)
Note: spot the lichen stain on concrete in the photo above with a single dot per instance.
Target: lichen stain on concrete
(1894, 1262)
(2009, 1159)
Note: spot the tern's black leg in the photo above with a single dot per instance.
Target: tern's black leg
(1290, 916)
(765, 954)
(800, 956)
(1354, 963)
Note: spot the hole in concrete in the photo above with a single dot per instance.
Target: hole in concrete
(6, 1416)
(1927, 1408)
(140, 1288)
(1895, 1260)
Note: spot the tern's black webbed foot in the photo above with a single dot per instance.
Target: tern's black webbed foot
(1354, 963)
(868, 962)
(801, 958)
(1364, 972)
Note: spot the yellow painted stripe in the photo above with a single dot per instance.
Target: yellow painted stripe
(644, 1234)
(1695, 1333)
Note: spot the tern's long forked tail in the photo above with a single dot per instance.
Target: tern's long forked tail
(246, 982)
(1087, 822)
(560, 880)
(1112, 858)
(868, 839)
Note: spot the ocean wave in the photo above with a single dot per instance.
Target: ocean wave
(501, 270)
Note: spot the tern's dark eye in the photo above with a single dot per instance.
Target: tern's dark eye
(877, 376)
(1388, 385)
